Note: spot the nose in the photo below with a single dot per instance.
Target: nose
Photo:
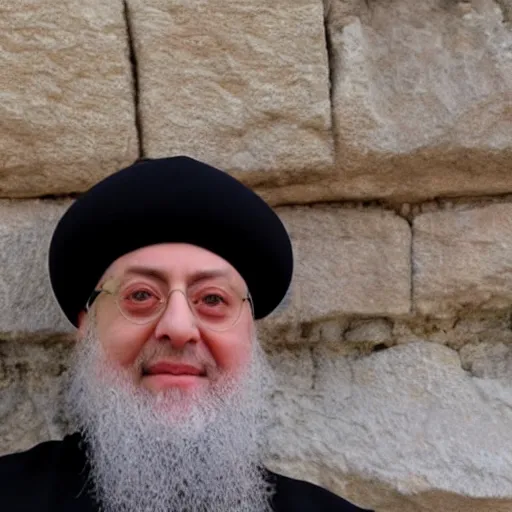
(177, 325)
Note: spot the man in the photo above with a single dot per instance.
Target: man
(163, 268)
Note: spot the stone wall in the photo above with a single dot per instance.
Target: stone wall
(381, 130)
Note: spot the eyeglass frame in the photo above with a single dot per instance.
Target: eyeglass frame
(97, 291)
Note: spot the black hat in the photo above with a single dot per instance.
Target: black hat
(170, 200)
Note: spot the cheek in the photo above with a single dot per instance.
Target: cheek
(122, 343)
(231, 352)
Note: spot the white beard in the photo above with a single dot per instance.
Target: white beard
(169, 452)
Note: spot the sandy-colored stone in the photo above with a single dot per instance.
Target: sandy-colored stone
(241, 85)
(481, 332)
(67, 103)
(422, 101)
(326, 332)
(27, 305)
(369, 331)
(462, 260)
(348, 262)
(481, 327)
(398, 430)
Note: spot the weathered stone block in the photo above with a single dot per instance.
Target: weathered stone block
(348, 262)
(422, 100)
(462, 260)
(27, 305)
(398, 430)
(67, 109)
(241, 85)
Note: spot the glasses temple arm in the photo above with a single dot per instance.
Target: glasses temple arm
(91, 299)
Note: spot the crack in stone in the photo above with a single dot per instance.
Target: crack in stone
(330, 63)
(409, 210)
(54, 197)
(135, 76)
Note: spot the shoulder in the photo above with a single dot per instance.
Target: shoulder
(32, 474)
(299, 496)
(38, 459)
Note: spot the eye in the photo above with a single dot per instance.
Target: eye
(140, 295)
(213, 299)
(212, 304)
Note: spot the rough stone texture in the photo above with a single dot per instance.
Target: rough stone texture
(399, 430)
(487, 360)
(481, 338)
(348, 262)
(461, 260)
(31, 409)
(242, 85)
(477, 328)
(422, 100)
(373, 331)
(66, 109)
(27, 306)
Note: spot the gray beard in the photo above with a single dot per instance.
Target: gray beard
(168, 452)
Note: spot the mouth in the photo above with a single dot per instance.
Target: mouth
(174, 369)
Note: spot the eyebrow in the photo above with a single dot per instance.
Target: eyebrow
(158, 274)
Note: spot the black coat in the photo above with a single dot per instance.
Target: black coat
(51, 478)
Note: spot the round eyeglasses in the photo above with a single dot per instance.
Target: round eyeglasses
(216, 306)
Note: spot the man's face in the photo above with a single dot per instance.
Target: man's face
(178, 349)
(170, 408)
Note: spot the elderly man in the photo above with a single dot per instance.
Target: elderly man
(163, 268)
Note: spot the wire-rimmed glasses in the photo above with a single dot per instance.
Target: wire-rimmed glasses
(216, 305)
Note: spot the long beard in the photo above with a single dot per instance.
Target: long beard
(173, 452)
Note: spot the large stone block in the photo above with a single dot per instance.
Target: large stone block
(462, 260)
(241, 85)
(27, 305)
(348, 262)
(400, 430)
(422, 100)
(67, 111)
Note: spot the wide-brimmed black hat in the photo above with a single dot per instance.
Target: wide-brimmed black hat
(170, 200)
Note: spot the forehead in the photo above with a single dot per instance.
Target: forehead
(174, 261)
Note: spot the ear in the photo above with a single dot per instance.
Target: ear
(82, 325)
